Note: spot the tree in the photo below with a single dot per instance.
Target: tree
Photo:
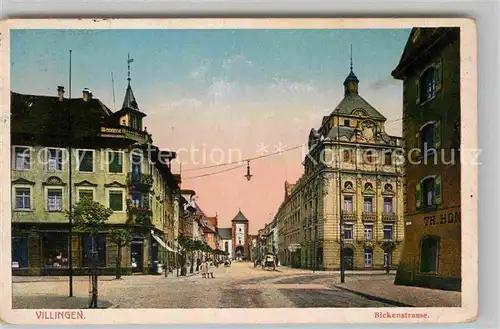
(90, 216)
(188, 246)
(121, 237)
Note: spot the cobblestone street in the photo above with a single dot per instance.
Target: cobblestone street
(239, 286)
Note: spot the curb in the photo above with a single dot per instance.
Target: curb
(372, 297)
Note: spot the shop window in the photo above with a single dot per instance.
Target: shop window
(115, 162)
(22, 158)
(55, 250)
(100, 247)
(429, 255)
(19, 252)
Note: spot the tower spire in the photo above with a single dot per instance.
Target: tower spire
(129, 60)
(351, 57)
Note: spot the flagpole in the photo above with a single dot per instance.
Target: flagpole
(70, 192)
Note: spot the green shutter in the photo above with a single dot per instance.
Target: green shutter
(439, 74)
(437, 134)
(438, 189)
(417, 91)
(418, 196)
(417, 144)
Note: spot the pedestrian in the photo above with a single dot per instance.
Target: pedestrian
(210, 271)
(204, 268)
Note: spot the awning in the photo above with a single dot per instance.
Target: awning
(162, 243)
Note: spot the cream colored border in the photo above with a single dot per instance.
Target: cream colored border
(469, 183)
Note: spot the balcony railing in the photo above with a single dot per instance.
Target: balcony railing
(139, 180)
(388, 217)
(138, 214)
(369, 216)
(348, 215)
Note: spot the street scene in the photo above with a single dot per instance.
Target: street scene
(238, 286)
(243, 168)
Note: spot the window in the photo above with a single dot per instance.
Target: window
(387, 232)
(136, 164)
(239, 230)
(428, 85)
(387, 159)
(85, 193)
(348, 203)
(368, 205)
(23, 198)
(226, 246)
(429, 192)
(86, 161)
(429, 255)
(22, 158)
(115, 162)
(368, 232)
(347, 156)
(136, 198)
(116, 200)
(54, 160)
(427, 137)
(348, 232)
(370, 156)
(54, 200)
(368, 257)
(388, 205)
(347, 123)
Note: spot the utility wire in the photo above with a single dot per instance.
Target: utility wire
(245, 160)
(214, 173)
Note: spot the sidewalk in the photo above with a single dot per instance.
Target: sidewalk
(383, 289)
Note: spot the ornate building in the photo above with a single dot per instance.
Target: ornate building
(352, 175)
(430, 70)
(241, 244)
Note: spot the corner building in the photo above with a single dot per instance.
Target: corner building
(351, 175)
(430, 70)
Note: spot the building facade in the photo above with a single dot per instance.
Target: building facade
(352, 176)
(430, 70)
(226, 241)
(113, 162)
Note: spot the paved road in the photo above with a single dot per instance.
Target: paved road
(239, 286)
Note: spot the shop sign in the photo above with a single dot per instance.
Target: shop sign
(442, 218)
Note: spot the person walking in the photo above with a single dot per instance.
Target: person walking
(210, 271)
(204, 269)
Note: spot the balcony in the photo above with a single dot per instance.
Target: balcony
(369, 216)
(138, 214)
(388, 217)
(140, 181)
(348, 215)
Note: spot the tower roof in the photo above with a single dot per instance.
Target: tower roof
(240, 217)
(129, 102)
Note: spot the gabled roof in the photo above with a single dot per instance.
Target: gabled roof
(226, 233)
(240, 217)
(353, 101)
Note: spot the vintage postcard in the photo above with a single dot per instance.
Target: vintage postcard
(235, 171)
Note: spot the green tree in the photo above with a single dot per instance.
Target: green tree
(188, 246)
(121, 238)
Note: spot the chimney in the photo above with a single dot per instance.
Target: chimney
(87, 94)
(60, 93)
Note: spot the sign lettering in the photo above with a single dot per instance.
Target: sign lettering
(449, 218)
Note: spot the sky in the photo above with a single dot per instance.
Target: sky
(218, 96)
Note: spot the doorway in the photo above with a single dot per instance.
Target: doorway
(136, 257)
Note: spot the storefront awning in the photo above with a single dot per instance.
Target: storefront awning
(162, 243)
